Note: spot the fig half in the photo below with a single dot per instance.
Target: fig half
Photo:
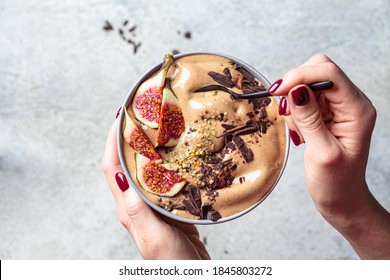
(157, 179)
(171, 123)
(147, 99)
(137, 139)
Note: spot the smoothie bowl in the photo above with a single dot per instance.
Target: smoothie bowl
(203, 157)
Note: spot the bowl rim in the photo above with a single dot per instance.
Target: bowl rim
(121, 118)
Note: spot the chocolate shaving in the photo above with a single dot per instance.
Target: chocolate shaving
(242, 147)
(227, 126)
(213, 215)
(246, 131)
(221, 79)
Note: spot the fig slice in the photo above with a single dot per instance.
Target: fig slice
(157, 179)
(171, 123)
(137, 139)
(147, 99)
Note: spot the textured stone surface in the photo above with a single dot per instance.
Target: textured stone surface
(62, 79)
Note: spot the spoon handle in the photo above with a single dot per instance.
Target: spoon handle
(321, 86)
(314, 87)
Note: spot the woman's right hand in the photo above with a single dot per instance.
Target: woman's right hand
(336, 125)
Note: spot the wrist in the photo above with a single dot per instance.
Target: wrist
(364, 223)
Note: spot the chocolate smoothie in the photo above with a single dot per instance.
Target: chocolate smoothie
(231, 152)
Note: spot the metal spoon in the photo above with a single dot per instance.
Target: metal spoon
(260, 94)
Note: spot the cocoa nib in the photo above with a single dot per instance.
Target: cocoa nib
(221, 79)
(242, 147)
(107, 26)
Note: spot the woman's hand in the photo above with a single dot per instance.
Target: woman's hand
(336, 126)
(155, 237)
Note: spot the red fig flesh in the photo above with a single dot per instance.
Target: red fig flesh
(171, 123)
(137, 139)
(157, 179)
(147, 99)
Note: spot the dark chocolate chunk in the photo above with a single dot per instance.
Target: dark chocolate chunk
(242, 147)
(213, 215)
(204, 210)
(227, 73)
(195, 196)
(231, 146)
(221, 79)
(191, 208)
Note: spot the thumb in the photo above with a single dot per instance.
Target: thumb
(307, 116)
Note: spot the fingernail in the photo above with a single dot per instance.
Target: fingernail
(300, 96)
(121, 181)
(275, 86)
(118, 113)
(282, 106)
(295, 137)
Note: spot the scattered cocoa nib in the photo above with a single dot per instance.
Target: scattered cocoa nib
(107, 26)
(124, 33)
(213, 215)
(187, 35)
(174, 52)
(242, 147)
(221, 79)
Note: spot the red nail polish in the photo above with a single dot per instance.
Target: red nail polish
(295, 137)
(118, 113)
(282, 106)
(300, 96)
(275, 86)
(121, 181)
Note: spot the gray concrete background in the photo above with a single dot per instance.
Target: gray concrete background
(62, 79)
